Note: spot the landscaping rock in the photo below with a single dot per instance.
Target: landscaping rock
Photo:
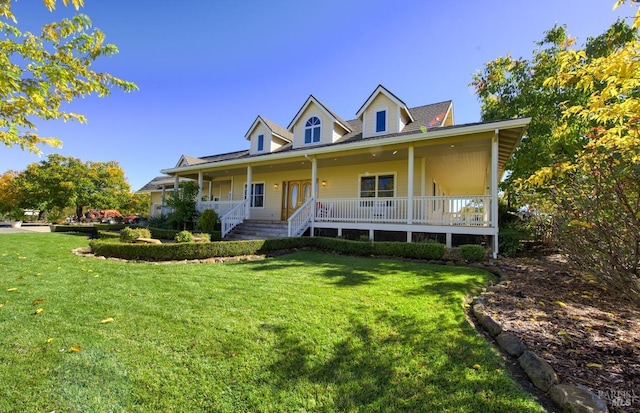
(485, 320)
(577, 399)
(147, 241)
(511, 344)
(539, 371)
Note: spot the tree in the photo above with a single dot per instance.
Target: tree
(138, 203)
(40, 72)
(509, 88)
(60, 181)
(183, 202)
(594, 197)
(8, 198)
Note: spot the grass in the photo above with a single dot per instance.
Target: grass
(301, 332)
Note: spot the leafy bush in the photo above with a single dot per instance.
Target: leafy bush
(104, 235)
(201, 237)
(208, 220)
(86, 229)
(190, 250)
(472, 253)
(161, 233)
(184, 236)
(159, 222)
(132, 234)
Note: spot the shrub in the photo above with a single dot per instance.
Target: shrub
(184, 236)
(161, 233)
(202, 237)
(131, 234)
(472, 252)
(208, 220)
(104, 235)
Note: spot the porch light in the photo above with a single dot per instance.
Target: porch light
(324, 183)
(275, 186)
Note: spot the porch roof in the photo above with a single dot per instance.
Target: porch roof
(510, 132)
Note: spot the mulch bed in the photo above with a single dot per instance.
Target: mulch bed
(589, 334)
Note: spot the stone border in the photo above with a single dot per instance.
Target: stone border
(570, 398)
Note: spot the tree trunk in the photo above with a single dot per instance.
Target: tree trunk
(79, 212)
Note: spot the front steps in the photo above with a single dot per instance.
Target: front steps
(254, 229)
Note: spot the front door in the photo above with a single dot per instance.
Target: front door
(294, 194)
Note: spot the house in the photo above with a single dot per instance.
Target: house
(393, 171)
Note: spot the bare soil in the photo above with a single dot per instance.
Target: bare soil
(588, 333)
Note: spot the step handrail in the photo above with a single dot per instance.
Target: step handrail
(302, 218)
(233, 218)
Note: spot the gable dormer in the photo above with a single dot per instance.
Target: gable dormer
(315, 124)
(266, 137)
(186, 160)
(383, 113)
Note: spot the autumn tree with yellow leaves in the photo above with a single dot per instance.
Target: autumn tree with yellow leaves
(42, 71)
(591, 193)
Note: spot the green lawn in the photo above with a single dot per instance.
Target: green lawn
(300, 332)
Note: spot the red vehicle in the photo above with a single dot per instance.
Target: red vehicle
(133, 219)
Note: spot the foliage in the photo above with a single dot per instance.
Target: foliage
(184, 236)
(299, 332)
(137, 203)
(472, 253)
(108, 235)
(131, 234)
(60, 181)
(509, 88)
(594, 197)
(8, 199)
(190, 251)
(163, 233)
(208, 220)
(202, 237)
(42, 73)
(184, 203)
(56, 216)
(159, 222)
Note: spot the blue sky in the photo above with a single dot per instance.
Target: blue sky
(207, 68)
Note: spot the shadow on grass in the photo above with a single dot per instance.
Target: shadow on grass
(403, 366)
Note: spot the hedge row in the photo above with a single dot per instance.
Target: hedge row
(192, 251)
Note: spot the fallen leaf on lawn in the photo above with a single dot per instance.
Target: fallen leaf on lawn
(75, 348)
(50, 339)
(561, 304)
(476, 366)
(12, 289)
(39, 300)
(38, 311)
(107, 320)
(22, 258)
(562, 333)
(597, 365)
(1, 305)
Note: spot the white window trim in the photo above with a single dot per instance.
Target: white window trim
(304, 129)
(258, 143)
(386, 120)
(264, 193)
(376, 175)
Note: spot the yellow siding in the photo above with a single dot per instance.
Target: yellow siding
(381, 102)
(260, 129)
(326, 130)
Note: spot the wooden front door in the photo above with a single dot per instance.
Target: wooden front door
(294, 194)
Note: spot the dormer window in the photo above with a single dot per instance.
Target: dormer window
(260, 143)
(381, 121)
(312, 130)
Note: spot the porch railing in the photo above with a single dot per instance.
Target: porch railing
(221, 207)
(301, 219)
(470, 210)
(233, 217)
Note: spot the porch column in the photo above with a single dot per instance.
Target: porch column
(199, 190)
(164, 191)
(314, 191)
(494, 190)
(209, 197)
(248, 193)
(410, 187)
(176, 183)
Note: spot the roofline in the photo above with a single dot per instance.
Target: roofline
(391, 94)
(329, 113)
(266, 124)
(392, 140)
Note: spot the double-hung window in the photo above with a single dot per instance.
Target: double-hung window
(256, 196)
(377, 186)
(260, 143)
(381, 121)
(312, 130)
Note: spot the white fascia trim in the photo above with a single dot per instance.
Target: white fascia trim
(365, 143)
